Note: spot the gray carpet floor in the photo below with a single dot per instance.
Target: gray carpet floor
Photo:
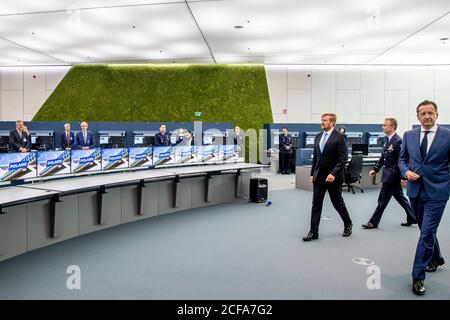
(234, 251)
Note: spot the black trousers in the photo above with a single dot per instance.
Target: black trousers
(285, 162)
(389, 190)
(335, 191)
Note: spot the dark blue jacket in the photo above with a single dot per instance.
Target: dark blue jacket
(162, 140)
(433, 170)
(285, 141)
(64, 144)
(80, 143)
(389, 160)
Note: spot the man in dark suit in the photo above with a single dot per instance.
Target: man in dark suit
(391, 177)
(329, 159)
(67, 138)
(84, 139)
(424, 161)
(19, 138)
(285, 151)
(162, 138)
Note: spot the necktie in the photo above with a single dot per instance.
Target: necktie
(68, 139)
(424, 145)
(84, 137)
(324, 140)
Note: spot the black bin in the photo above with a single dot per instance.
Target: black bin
(258, 190)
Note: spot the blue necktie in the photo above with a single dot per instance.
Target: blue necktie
(424, 145)
(324, 140)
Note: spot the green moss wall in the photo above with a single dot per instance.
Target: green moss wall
(223, 93)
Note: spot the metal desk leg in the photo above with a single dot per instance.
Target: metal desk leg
(56, 217)
(176, 192)
(140, 199)
(237, 186)
(209, 188)
(101, 219)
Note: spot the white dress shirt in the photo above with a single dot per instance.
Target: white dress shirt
(325, 137)
(390, 136)
(430, 136)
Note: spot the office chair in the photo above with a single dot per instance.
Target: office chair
(352, 173)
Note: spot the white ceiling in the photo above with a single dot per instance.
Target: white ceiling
(59, 32)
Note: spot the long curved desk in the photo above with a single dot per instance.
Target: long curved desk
(38, 214)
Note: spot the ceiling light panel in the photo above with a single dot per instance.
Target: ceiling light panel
(8, 7)
(110, 34)
(425, 47)
(274, 28)
(14, 55)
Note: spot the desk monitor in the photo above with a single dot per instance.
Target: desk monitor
(295, 139)
(17, 166)
(309, 139)
(376, 139)
(4, 141)
(360, 148)
(41, 140)
(354, 138)
(144, 139)
(207, 140)
(111, 139)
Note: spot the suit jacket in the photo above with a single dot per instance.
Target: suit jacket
(433, 170)
(389, 160)
(80, 143)
(332, 160)
(16, 142)
(162, 140)
(285, 141)
(186, 142)
(64, 144)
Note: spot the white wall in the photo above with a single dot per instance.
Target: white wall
(25, 89)
(357, 94)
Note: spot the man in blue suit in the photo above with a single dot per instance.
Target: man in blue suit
(67, 138)
(84, 139)
(424, 161)
(391, 177)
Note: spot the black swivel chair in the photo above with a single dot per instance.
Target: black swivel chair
(352, 173)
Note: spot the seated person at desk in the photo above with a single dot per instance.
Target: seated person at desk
(84, 139)
(188, 139)
(67, 138)
(391, 178)
(162, 138)
(19, 138)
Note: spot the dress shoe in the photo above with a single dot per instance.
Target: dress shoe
(418, 288)
(347, 231)
(407, 224)
(311, 236)
(369, 225)
(433, 265)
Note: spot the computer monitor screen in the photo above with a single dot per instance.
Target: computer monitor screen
(309, 143)
(207, 140)
(360, 148)
(138, 140)
(104, 139)
(276, 139)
